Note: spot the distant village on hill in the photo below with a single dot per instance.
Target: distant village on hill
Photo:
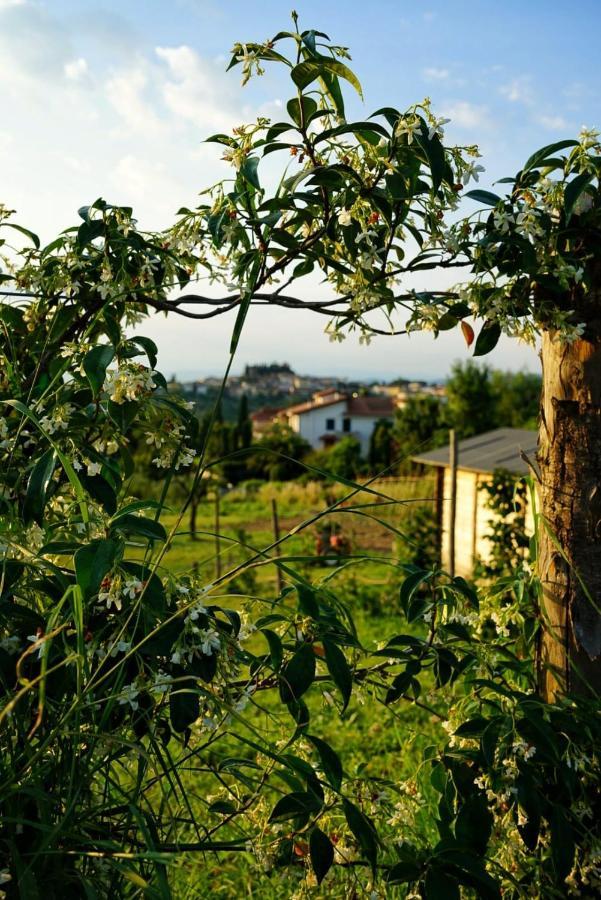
(271, 388)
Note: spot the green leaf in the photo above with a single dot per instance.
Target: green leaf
(486, 197)
(436, 158)
(470, 870)
(149, 347)
(363, 830)
(184, 709)
(440, 886)
(474, 824)
(276, 650)
(25, 231)
(92, 563)
(298, 674)
(321, 852)
(472, 728)
(100, 490)
(300, 111)
(307, 600)
(487, 339)
(573, 191)
(65, 462)
(539, 157)
(330, 761)
(339, 670)
(135, 506)
(295, 805)
(306, 72)
(245, 302)
(248, 170)
(95, 364)
(37, 487)
(123, 414)
(562, 843)
(410, 585)
(139, 526)
(399, 686)
(404, 872)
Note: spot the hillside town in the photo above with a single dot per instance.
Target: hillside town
(320, 408)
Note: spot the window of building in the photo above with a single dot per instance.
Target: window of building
(346, 425)
(330, 424)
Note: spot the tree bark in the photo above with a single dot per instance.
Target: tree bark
(569, 457)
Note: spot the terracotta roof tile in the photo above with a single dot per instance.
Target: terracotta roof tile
(371, 406)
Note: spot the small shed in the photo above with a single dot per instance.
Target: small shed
(477, 458)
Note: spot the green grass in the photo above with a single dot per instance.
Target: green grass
(372, 740)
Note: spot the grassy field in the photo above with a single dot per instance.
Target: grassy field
(377, 523)
(371, 739)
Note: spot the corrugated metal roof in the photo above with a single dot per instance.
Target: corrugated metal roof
(498, 449)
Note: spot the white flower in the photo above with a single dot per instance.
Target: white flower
(110, 593)
(410, 128)
(34, 638)
(162, 682)
(472, 171)
(129, 694)
(344, 217)
(588, 137)
(94, 468)
(132, 587)
(129, 382)
(502, 220)
(437, 128)
(197, 610)
(210, 641)
(10, 643)
(176, 658)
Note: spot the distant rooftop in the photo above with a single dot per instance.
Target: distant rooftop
(498, 449)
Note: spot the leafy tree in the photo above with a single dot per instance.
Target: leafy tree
(420, 425)
(244, 428)
(344, 458)
(277, 455)
(471, 407)
(517, 398)
(381, 447)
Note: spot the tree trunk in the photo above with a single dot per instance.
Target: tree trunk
(569, 457)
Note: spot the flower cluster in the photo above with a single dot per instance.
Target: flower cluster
(129, 382)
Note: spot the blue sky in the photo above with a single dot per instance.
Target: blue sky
(114, 98)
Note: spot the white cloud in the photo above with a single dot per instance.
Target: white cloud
(189, 91)
(76, 69)
(434, 74)
(518, 90)
(553, 123)
(126, 92)
(467, 115)
(132, 133)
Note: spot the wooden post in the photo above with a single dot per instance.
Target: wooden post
(439, 512)
(217, 541)
(452, 498)
(276, 536)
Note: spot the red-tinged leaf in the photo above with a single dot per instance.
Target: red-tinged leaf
(468, 333)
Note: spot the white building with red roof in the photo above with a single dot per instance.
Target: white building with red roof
(331, 415)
